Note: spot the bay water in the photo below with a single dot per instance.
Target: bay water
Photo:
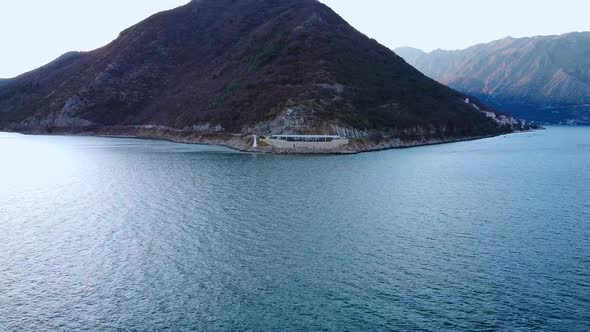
(113, 234)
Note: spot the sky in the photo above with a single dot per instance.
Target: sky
(34, 32)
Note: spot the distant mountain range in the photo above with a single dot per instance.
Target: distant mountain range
(545, 78)
(220, 67)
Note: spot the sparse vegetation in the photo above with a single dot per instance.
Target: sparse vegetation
(190, 65)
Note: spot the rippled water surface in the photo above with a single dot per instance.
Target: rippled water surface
(123, 234)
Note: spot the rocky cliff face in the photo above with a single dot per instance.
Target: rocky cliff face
(239, 67)
(545, 79)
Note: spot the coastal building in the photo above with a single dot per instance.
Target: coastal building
(491, 115)
(305, 142)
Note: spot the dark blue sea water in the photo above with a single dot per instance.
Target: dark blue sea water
(121, 234)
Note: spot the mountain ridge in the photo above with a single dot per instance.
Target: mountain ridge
(541, 78)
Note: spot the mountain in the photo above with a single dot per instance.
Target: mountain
(544, 78)
(220, 70)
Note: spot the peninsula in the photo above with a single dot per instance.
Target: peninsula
(226, 72)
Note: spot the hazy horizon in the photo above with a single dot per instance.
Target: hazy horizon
(61, 26)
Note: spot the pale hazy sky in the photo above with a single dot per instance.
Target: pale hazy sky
(34, 32)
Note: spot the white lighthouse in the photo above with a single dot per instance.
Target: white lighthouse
(255, 141)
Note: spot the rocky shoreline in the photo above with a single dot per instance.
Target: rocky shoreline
(239, 142)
